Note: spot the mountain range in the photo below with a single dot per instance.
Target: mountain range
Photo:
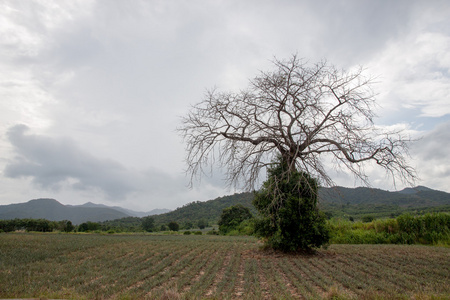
(339, 200)
(53, 210)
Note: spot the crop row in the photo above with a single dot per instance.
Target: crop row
(213, 267)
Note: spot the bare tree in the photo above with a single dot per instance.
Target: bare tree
(301, 113)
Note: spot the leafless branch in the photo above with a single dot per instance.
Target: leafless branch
(299, 112)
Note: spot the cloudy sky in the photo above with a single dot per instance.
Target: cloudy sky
(91, 92)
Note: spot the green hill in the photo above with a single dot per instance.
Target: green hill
(210, 210)
(335, 201)
(361, 201)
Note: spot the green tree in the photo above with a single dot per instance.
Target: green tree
(173, 226)
(68, 226)
(188, 225)
(89, 226)
(148, 224)
(232, 217)
(202, 224)
(288, 204)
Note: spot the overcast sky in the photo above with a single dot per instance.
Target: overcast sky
(91, 92)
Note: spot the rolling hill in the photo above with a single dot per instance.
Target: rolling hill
(52, 210)
(336, 201)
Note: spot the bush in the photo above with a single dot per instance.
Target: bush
(247, 227)
(187, 232)
(405, 229)
(174, 226)
(89, 226)
(367, 219)
(213, 232)
(288, 204)
(232, 217)
(202, 224)
(197, 232)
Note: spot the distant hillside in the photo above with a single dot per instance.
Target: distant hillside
(338, 201)
(52, 210)
(209, 210)
(360, 202)
(129, 212)
(409, 197)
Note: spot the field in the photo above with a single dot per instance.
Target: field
(89, 266)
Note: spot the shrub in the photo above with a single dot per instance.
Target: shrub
(288, 203)
(367, 219)
(202, 224)
(232, 217)
(197, 232)
(174, 226)
(187, 232)
(213, 232)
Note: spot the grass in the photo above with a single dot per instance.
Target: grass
(93, 266)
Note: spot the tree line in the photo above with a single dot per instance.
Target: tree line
(130, 224)
(39, 225)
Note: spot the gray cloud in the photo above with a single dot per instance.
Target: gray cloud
(432, 157)
(56, 163)
(50, 162)
(434, 145)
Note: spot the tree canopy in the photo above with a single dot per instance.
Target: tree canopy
(299, 111)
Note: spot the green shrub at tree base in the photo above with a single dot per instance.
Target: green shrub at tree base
(290, 219)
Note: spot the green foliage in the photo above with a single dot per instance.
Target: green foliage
(208, 211)
(89, 226)
(187, 232)
(247, 227)
(67, 226)
(188, 225)
(202, 224)
(40, 225)
(232, 217)
(128, 224)
(197, 232)
(173, 226)
(288, 204)
(148, 224)
(367, 219)
(432, 229)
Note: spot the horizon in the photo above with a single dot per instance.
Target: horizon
(225, 195)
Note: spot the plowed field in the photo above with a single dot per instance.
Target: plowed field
(212, 267)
